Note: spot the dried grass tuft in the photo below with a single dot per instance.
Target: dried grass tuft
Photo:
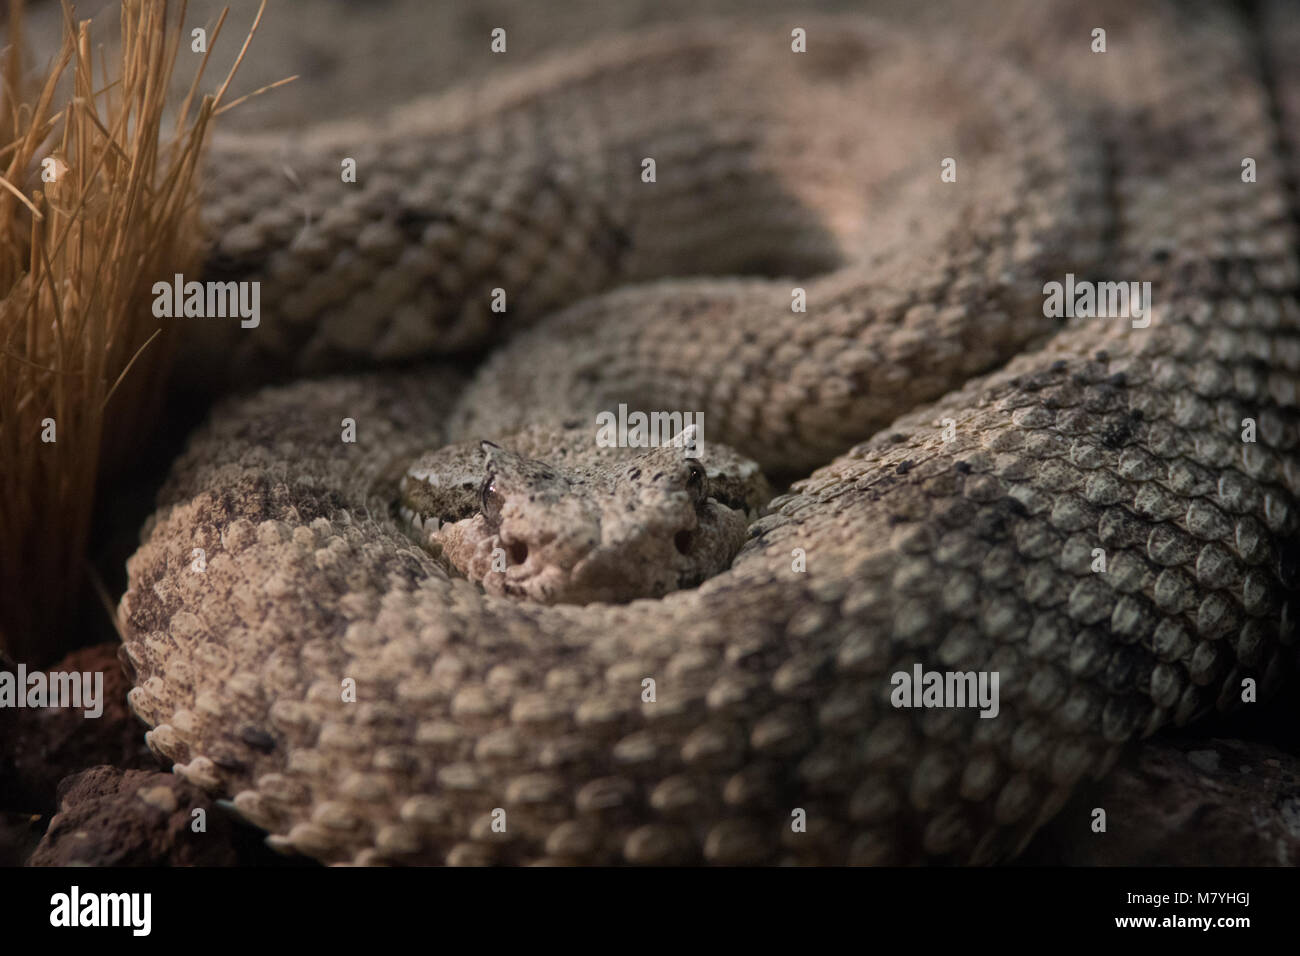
(79, 345)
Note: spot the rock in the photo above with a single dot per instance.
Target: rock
(1185, 802)
(41, 746)
(19, 834)
(111, 817)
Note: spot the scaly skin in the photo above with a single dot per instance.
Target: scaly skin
(552, 516)
(964, 545)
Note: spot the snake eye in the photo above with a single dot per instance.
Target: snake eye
(490, 499)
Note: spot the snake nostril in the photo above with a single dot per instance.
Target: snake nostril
(518, 552)
(682, 539)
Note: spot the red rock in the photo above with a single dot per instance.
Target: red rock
(111, 817)
(41, 746)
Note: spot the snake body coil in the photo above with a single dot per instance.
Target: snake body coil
(973, 456)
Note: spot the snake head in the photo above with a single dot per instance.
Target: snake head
(577, 525)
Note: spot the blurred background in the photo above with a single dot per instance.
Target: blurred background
(356, 56)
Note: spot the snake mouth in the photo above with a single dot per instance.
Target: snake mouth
(650, 566)
(551, 568)
(414, 524)
(423, 510)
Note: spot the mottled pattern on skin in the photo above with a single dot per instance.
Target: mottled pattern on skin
(961, 458)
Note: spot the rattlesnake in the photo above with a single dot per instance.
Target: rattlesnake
(972, 457)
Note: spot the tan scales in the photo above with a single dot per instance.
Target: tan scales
(772, 685)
